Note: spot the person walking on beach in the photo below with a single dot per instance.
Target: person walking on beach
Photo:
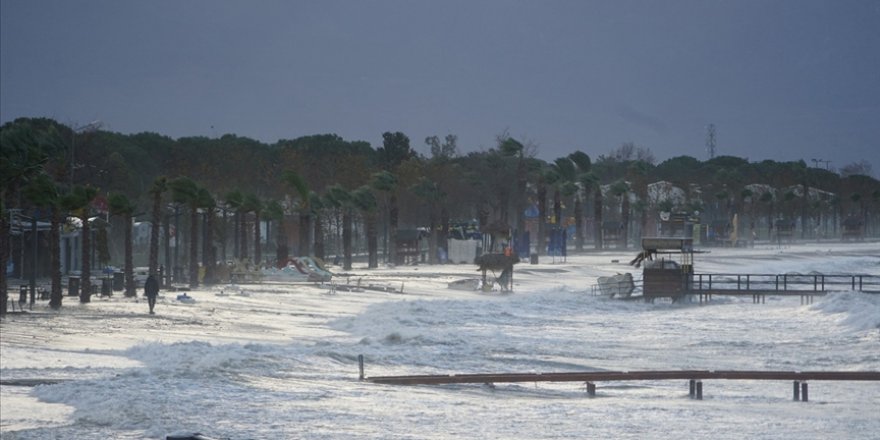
(151, 290)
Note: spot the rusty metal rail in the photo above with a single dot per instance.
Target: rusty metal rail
(600, 376)
(694, 377)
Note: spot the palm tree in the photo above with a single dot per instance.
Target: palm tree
(252, 203)
(209, 258)
(185, 191)
(364, 199)
(79, 200)
(160, 185)
(590, 182)
(386, 183)
(22, 158)
(43, 192)
(317, 205)
(120, 205)
(235, 202)
(296, 182)
(431, 194)
(341, 198)
(621, 189)
(275, 212)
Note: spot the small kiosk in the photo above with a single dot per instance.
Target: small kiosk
(668, 267)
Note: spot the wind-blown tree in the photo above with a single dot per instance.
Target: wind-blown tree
(275, 212)
(342, 199)
(637, 172)
(621, 189)
(22, 157)
(160, 185)
(566, 174)
(121, 206)
(43, 192)
(394, 151)
(252, 203)
(209, 258)
(386, 183)
(583, 165)
(431, 195)
(301, 190)
(767, 199)
(317, 205)
(235, 202)
(365, 201)
(79, 200)
(185, 191)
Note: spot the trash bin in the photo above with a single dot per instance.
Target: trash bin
(73, 286)
(105, 287)
(533, 258)
(118, 281)
(22, 293)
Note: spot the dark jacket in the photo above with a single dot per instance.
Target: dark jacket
(151, 287)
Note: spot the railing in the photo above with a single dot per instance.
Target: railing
(795, 283)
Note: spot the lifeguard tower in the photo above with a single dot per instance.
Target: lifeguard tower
(668, 267)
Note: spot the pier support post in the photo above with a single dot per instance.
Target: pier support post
(804, 389)
(361, 366)
(797, 391)
(699, 390)
(591, 389)
(692, 388)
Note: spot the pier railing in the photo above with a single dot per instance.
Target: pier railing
(796, 284)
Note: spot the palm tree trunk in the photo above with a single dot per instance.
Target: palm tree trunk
(346, 238)
(578, 224)
(305, 220)
(209, 254)
(597, 216)
(85, 293)
(154, 235)
(129, 259)
(4, 258)
(258, 250)
(392, 228)
(193, 248)
(55, 255)
(243, 250)
(541, 244)
(319, 237)
(625, 219)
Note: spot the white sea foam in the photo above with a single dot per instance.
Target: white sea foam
(282, 362)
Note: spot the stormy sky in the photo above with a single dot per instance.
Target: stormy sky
(780, 79)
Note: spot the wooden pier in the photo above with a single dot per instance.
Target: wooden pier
(695, 378)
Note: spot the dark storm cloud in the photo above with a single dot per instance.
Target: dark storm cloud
(783, 80)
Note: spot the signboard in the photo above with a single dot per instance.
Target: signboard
(663, 243)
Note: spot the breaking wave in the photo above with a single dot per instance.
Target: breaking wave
(855, 310)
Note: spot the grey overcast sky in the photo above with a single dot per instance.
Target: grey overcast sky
(780, 79)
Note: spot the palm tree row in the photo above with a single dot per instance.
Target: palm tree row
(331, 185)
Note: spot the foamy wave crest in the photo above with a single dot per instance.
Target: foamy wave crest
(859, 311)
(198, 358)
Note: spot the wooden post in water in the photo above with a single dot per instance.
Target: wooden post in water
(361, 366)
(797, 391)
(591, 389)
(699, 390)
(804, 397)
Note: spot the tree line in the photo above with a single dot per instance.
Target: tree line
(327, 189)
